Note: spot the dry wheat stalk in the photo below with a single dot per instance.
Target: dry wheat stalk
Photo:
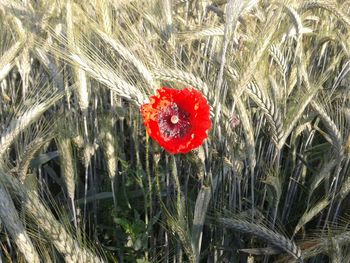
(78, 141)
(296, 20)
(71, 250)
(16, 230)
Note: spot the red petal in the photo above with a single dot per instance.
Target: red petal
(189, 100)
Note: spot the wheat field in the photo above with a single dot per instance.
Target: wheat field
(82, 181)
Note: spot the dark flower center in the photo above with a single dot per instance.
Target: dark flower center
(173, 122)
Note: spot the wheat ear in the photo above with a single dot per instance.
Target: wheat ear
(290, 124)
(109, 149)
(326, 5)
(264, 233)
(67, 163)
(127, 55)
(201, 33)
(49, 63)
(29, 152)
(80, 75)
(311, 213)
(17, 125)
(331, 127)
(272, 113)
(324, 244)
(278, 57)
(248, 132)
(181, 77)
(7, 59)
(110, 79)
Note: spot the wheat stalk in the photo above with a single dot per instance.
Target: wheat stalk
(200, 210)
(178, 225)
(296, 20)
(69, 170)
(71, 250)
(16, 230)
(272, 113)
(24, 67)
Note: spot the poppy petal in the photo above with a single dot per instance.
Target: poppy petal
(177, 119)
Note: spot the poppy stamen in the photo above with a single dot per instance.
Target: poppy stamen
(174, 119)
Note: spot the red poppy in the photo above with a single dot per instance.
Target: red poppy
(177, 119)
